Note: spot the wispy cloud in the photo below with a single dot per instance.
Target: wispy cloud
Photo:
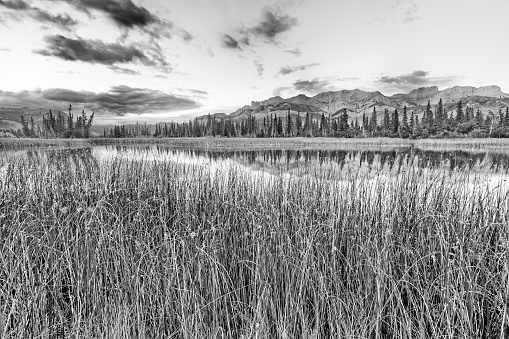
(122, 70)
(412, 80)
(272, 24)
(118, 100)
(98, 52)
(259, 68)
(295, 51)
(313, 86)
(230, 42)
(291, 69)
(126, 14)
(62, 20)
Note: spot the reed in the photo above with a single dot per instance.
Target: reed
(150, 248)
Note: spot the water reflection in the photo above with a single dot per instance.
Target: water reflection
(390, 160)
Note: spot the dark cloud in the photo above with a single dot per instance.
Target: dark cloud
(410, 81)
(229, 42)
(414, 78)
(273, 24)
(128, 15)
(124, 12)
(288, 69)
(15, 4)
(62, 20)
(312, 86)
(118, 100)
(98, 52)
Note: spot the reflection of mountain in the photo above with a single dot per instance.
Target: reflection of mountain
(300, 162)
(280, 161)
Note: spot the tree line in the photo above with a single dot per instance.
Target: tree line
(57, 126)
(435, 122)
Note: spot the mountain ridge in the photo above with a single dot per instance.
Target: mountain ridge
(356, 102)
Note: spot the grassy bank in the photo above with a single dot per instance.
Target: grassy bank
(265, 143)
(127, 248)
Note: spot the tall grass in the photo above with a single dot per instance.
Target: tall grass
(144, 248)
(471, 144)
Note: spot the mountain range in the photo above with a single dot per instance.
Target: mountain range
(356, 103)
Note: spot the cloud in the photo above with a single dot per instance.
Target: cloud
(122, 70)
(62, 20)
(128, 15)
(229, 42)
(272, 24)
(98, 52)
(295, 51)
(312, 86)
(279, 91)
(125, 13)
(259, 68)
(197, 91)
(288, 69)
(412, 80)
(405, 9)
(118, 100)
(15, 5)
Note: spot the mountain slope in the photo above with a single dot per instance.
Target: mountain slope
(357, 102)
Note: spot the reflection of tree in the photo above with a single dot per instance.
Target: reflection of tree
(288, 159)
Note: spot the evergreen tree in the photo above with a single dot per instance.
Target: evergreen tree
(459, 112)
(386, 122)
(395, 122)
(373, 124)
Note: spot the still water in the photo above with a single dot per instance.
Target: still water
(291, 161)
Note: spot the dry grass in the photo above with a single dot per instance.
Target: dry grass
(270, 143)
(125, 248)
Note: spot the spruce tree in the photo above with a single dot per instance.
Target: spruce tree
(395, 122)
(460, 117)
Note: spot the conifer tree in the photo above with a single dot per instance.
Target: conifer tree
(459, 112)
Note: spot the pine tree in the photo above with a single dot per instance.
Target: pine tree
(344, 121)
(459, 112)
(395, 122)
(404, 129)
(386, 122)
(373, 124)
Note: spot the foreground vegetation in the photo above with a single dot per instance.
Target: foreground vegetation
(265, 143)
(126, 247)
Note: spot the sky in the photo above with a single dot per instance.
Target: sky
(172, 60)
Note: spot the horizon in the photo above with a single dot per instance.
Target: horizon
(151, 61)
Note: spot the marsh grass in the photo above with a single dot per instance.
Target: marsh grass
(470, 144)
(147, 248)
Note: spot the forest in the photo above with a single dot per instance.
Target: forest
(57, 126)
(434, 123)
